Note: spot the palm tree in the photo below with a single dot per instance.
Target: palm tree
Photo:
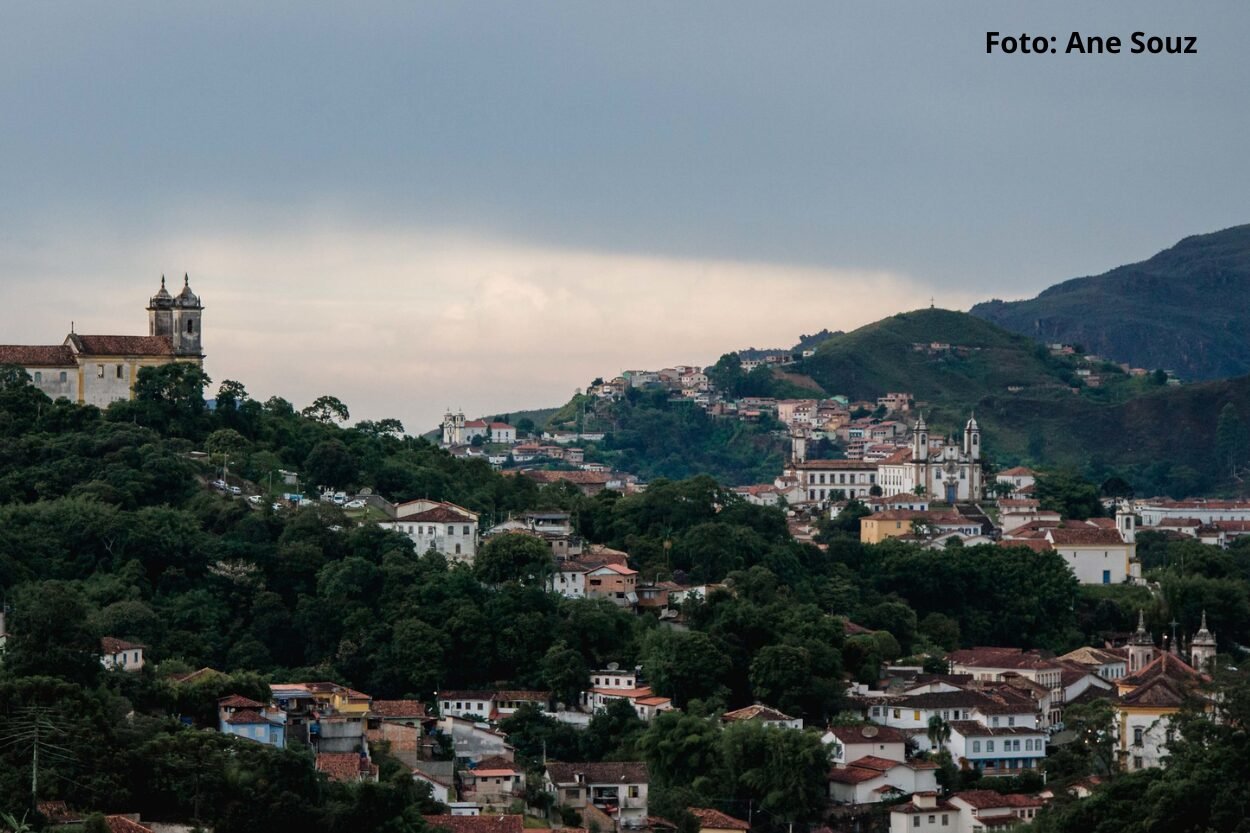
(939, 732)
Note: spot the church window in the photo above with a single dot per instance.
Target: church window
(190, 326)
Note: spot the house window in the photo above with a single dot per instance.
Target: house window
(571, 794)
(946, 820)
(1137, 762)
(466, 530)
(915, 715)
(989, 746)
(876, 711)
(451, 530)
(976, 746)
(1137, 735)
(915, 821)
(896, 714)
(633, 792)
(932, 819)
(38, 377)
(99, 371)
(121, 372)
(63, 376)
(457, 549)
(1011, 721)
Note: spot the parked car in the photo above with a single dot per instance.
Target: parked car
(354, 504)
(255, 500)
(219, 484)
(235, 490)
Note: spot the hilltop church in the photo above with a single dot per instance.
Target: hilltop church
(101, 369)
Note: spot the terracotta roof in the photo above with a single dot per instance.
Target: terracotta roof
(912, 809)
(246, 717)
(238, 701)
(1017, 471)
(398, 708)
(874, 762)
(122, 345)
(608, 772)
(1079, 536)
(1160, 691)
(835, 464)
(194, 676)
(999, 658)
(868, 733)
(344, 766)
(755, 712)
(988, 799)
(715, 819)
(113, 645)
(496, 762)
(439, 514)
(121, 824)
(1092, 656)
(1165, 665)
(57, 812)
(477, 824)
(53, 355)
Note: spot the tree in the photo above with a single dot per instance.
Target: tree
(52, 634)
(327, 410)
(1069, 494)
(939, 732)
(782, 771)
(564, 672)
(331, 464)
(685, 665)
(1230, 439)
(514, 557)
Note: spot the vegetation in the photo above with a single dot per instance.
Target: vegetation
(1157, 313)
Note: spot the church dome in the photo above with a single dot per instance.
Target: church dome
(186, 298)
(162, 299)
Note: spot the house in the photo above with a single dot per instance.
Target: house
(824, 480)
(924, 814)
(1155, 512)
(245, 718)
(492, 782)
(647, 704)
(502, 433)
(987, 809)
(327, 716)
(436, 525)
(714, 821)
(997, 750)
(120, 655)
(569, 579)
(346, 767)
(472, 740)
(619, 789)
(1015, 513)
(997, 664)
(1108, 664)
(871, 780)
(490, 823)
(614, 582)
(402, 725)
(1017, 478)
(440, 789)
(763, 714)
(1098, 551)
(898, 523)
(483, 705)
(849, 743)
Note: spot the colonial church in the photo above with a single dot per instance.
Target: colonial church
(945, 468)
(100, 369)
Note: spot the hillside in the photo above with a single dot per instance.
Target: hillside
(940, 356)
(1186, 309)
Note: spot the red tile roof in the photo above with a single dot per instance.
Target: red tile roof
(755, 712)
(113, 645)
(439, 514)
(477, 824)
(344, 766)
(1084, 536)
(122, 345)
(875, 763)
(53, 355)
(398, 708)
(868, 733)
(715, 819)
(238, 701)
(995, 657)
(608, 772)
(121, 824)
(246, 717)
(988, 799)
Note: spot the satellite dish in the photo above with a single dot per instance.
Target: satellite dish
(612, 666)
(366, 491)
(869, 731)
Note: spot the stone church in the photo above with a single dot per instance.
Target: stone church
(101, 369)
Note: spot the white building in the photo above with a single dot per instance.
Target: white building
(1155, 512)
(871, 780)
(618, 788)
(118, 654)
(763, 714)
(439, 526)
(569, 580)
(484, 705)
(944, 471)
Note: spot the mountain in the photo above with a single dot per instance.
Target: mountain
(1186, 309)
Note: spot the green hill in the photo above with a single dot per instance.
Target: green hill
(939, 356)
(1186, 309)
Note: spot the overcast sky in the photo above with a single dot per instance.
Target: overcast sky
(416, 205)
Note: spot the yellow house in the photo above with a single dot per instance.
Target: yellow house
(894, 523)
(341, 699)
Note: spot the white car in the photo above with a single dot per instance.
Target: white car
(219, 484)
(255, 500)
(235, 490)
(354, 504)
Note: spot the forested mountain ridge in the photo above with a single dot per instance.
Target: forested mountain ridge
(1185, 309)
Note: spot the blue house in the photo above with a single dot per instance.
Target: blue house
(246, 718)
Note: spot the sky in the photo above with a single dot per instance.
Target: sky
(422, 205)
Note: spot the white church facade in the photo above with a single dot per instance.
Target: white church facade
(102, 369)
(940, 468)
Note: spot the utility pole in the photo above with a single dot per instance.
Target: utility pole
(32, 726)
